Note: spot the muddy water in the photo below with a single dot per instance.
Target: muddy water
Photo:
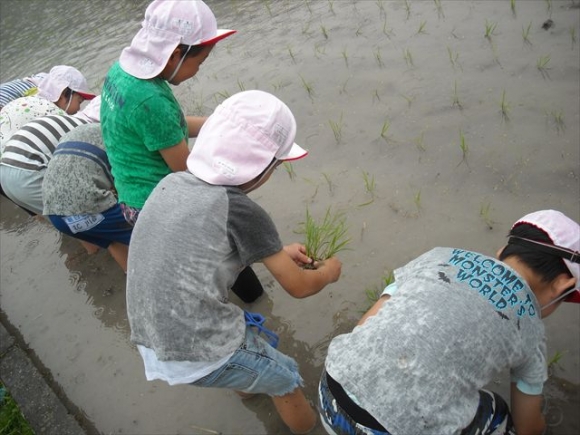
(405, 85)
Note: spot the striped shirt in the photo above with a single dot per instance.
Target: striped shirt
(32, 146)
(15, 89)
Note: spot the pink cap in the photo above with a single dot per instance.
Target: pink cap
(563, 232)
(91, 113)
(167, 24)
(61, 77)
(242, 137)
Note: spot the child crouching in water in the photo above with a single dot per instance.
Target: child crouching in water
(185, 327)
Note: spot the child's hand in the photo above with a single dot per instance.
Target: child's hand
(331, 267)
(297, 252)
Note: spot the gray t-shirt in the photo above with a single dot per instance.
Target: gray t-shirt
(190, 243)
(78, 179)
(456, 321)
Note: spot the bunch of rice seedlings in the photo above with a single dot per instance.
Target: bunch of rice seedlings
(325, 238)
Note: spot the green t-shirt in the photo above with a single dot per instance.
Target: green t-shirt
(138, 118)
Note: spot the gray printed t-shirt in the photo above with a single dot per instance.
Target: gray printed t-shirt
(456, 321)
(190, 243)
(78, 179)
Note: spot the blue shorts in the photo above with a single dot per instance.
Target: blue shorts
(492, 417)
(255, 367)
(100, 229)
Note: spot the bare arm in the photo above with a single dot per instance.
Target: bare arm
(176, 156)
(299, 282)
(527, 412)
(374, 309)
(194, 124)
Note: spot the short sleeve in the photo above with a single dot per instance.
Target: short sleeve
(531, 375)
(250, 229)
(159, 122)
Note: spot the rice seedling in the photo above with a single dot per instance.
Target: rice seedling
(484, 214)
(329, 182)
(407, 9)
(453, 58)
(439, 8)
(266, 3)
(345, 56)
(308, 6)
(331, 6)
(373, 294)
(336, 129)
(306, 28)
(223, 95)
(291, 54)
(549, 7)
(378, 57)
(408, 98)
(557, 117)
(542, 65)
(421, 28)
(505, 108)
(417, 200)
(408, 58)
(327, 237)
(241, 85)
(573, 35)
(289, 170)
(376, 95)
(307, 86)
(526, 34)
(456, 101)
(358, 30)
(464, 148)
(385, 129)
(489, 29)
(324, 32)
(386, 31)
(343, 87)
(381, 5)
(513, 7)
(420, 141)
(370, 187)
(555, 359)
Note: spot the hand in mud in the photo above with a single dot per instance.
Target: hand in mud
(297, 252)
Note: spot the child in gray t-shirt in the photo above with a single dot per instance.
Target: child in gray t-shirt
(196, 232)
(416, 363)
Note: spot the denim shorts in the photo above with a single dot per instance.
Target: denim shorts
(255, 367)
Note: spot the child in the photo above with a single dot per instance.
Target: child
(144, 129)
(197, 231)
(60, 92)
(78, 193)
(26, 155)
(454, 319)
(19, 88)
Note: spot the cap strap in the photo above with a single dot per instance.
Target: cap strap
(559, 251)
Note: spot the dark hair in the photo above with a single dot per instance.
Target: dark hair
(546, 265)
(193, 51)
(68, 92)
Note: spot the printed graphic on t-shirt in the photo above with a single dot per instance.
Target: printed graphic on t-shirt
(494, 280)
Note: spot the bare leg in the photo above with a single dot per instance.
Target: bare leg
(295, 411)
(90, 248)
(120, 253)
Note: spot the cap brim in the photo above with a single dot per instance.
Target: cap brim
(221, 34)
(573, 297)
(296, 153)
(86, 96)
